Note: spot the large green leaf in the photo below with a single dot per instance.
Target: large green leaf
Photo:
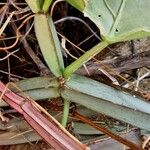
(107, 93)
(120, 20)
(134, 117)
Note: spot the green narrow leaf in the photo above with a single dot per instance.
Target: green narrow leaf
(35, 5)
(120, 20)
(84, 129)
(79, 4)
(107, 93)
(46, 5)
(134, 117)
(38, 94)
(38, 88)
(58, 47)
(84, 58)
(42, 94)
(35, 83)
(44, 34)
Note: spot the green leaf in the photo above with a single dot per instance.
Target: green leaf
(48, 41)
(58, 48)
(134, 117)
(120, 20)
(35, 83)
(38, 88)
(84, 129)
(107, 93)
(79, 4)
(46, 5)
(38, 94)
(35, 5)
(84, 58)
(42, 94)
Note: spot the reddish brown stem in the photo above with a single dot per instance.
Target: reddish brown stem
(107, 132)
(46, 126)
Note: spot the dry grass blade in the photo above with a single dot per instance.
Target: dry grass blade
(17, 34)
(6, 23)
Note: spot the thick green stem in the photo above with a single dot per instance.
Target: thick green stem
(84, 58)
(46, 5)
(65, 113)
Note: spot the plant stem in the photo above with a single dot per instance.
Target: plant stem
(65, 113)
(84, 58)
